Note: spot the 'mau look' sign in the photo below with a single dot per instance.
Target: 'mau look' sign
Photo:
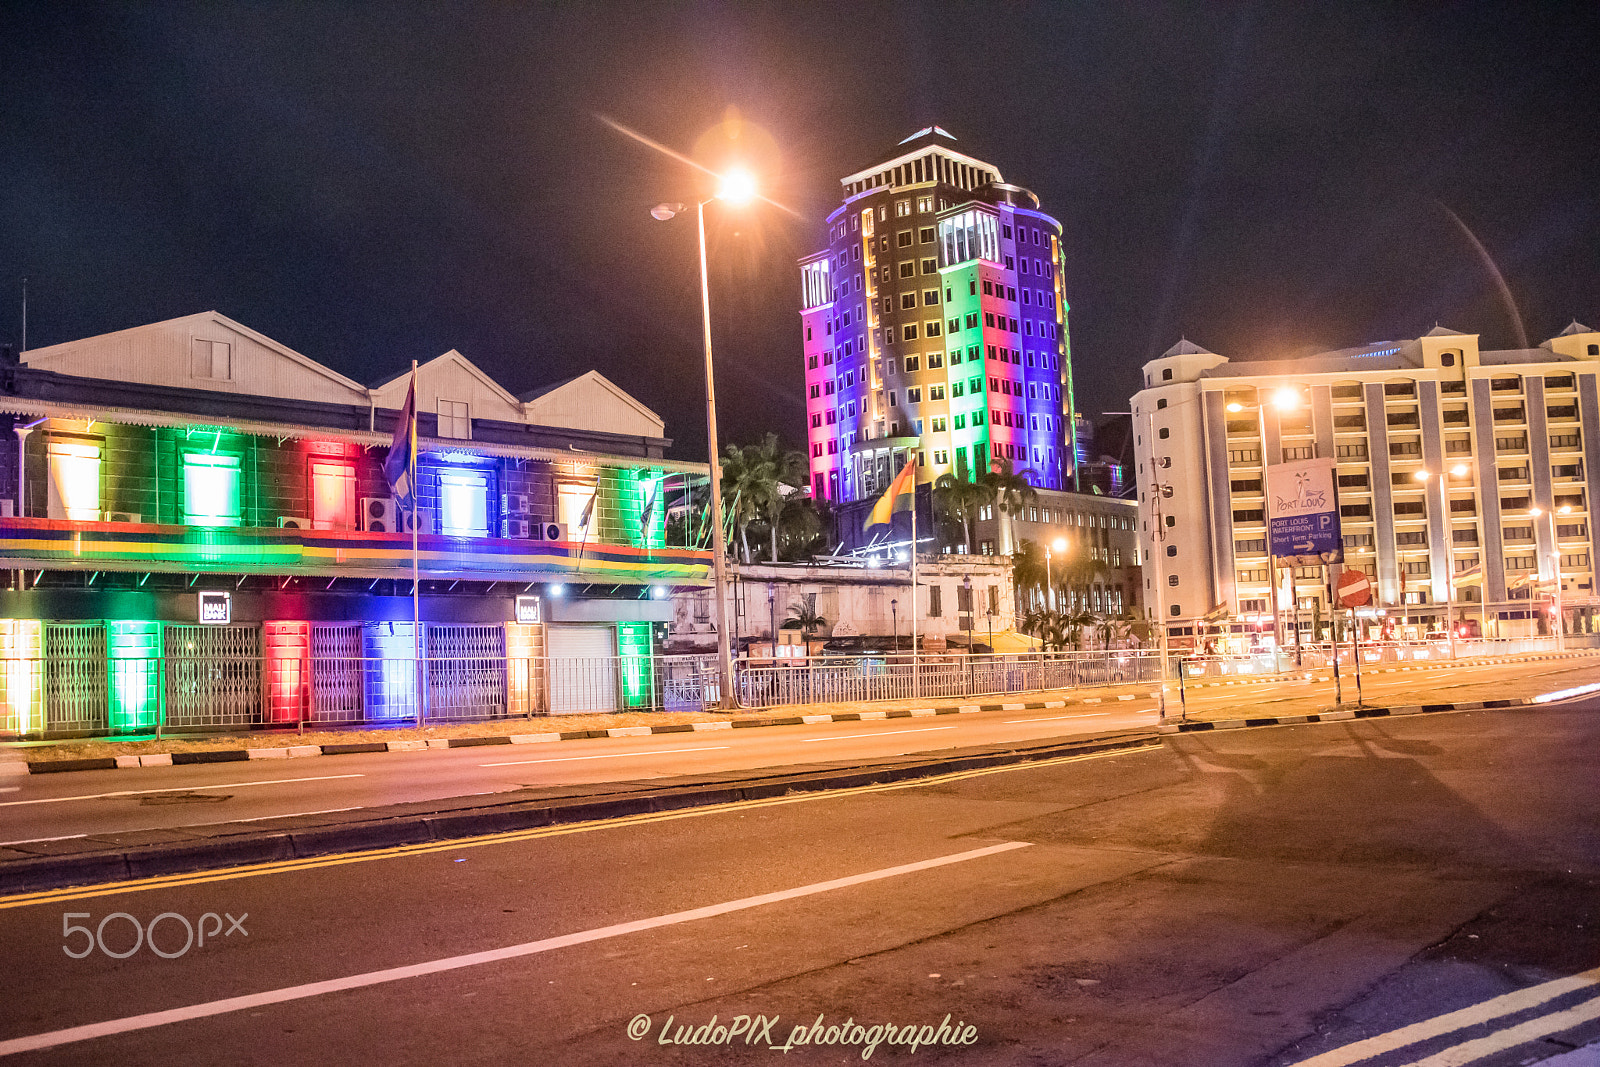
(1303, 512)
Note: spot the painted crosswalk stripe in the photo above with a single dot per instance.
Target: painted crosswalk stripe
(416, 970)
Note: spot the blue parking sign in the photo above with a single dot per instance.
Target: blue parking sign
(1303, 512)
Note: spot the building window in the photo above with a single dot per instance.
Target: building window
(935, 601)
(211, 360)
(74, 481)
(464, 503)
(1166, 375)
(333, 496)
(454, 420)
(210, 489)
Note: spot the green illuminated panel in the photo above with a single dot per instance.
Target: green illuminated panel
(210, 489)
(633, 646)
(961, 366)
(624, 496)
(134, 650)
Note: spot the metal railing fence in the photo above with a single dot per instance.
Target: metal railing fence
(126, 690)
(902, 676)
(192, 689)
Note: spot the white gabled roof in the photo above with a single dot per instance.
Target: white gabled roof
(592, 402)
(162, 353)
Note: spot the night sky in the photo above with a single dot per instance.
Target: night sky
(374, 183)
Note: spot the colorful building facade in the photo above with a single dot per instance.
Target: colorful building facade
(934, 328)
(198, 532)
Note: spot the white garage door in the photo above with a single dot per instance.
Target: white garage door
(583, 668)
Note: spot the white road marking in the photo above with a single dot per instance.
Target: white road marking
(1494, 1008)
(607, 755)
(55, 1038)
(875, 733)
(1541, 1026)
(176, 789)
(39, 840)
(1053, 718)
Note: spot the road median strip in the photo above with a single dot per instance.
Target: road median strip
(99, 859)
(283, 752)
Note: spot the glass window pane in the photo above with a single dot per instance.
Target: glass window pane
(210, 490)
(464, 504)
(74, 481)
(333, 496)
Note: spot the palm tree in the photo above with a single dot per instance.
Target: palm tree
(788, 470)
(1074, 622)
(1012, 492)
(958, 499)
(748, 477)
(803, 617)
(1027, 571)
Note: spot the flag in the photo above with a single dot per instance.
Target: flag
(1217, 614)
(588, 512)
(649, 506)
(900, 496)
(1473, 575)
(397, 464)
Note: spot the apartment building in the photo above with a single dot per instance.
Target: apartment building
(1463, 476)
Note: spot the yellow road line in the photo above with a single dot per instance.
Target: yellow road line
(174, 881)
(1493, 1008)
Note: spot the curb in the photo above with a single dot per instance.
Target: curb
(1314, 674)
(253, 845)
(1336, 716)
(169, 759)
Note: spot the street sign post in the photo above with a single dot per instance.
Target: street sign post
(1303, 513)
(1355, 589)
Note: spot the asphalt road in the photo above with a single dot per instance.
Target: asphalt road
(1251, 897)
(39, 810)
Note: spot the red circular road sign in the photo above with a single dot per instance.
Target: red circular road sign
(1355, 588)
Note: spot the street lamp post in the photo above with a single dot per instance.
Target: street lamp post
(1555, 569)
(894, 616)
(736, 188)
(966, 583)
(1449, 554)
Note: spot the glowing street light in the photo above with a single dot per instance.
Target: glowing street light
(1286, 399)
(1460, 470)
(1058, 545)
(736, 186)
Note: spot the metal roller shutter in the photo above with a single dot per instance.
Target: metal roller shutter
(583, 668)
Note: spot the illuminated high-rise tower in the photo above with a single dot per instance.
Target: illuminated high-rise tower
(935, 327)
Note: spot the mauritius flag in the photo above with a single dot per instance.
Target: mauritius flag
(397, 464)
(901, 496)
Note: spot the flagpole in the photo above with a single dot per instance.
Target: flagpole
(416, 520)
(916, 677)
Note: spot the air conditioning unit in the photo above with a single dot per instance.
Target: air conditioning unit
(293, 522)
(124, 516)
(549, 531)
(379, 514)
(510, 527)
(515, 504)
(421, 520)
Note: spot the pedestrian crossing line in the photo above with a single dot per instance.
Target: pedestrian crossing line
(1494, 1008)
(1543, 1026)
(176, 881)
